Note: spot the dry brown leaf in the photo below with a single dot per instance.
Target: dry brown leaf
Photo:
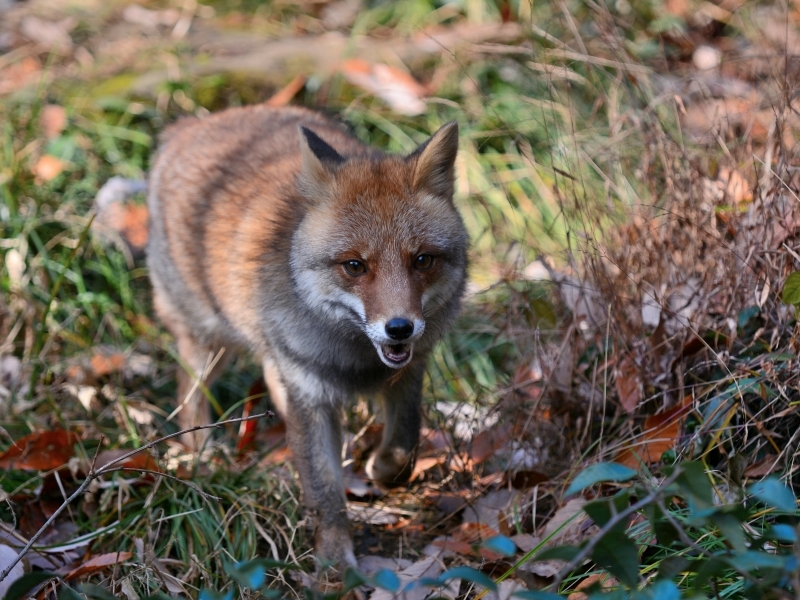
(426, 463)
(106, 363)
(40, 451)
(660, 433)
(571, 518)
(397, 88)
(48, 167)
(762, 468)
(99, 563)
(605, 581)
(734, 185)
(283, 96)
(19, 74)
(53, 120)
(628, 383)
(487, 442)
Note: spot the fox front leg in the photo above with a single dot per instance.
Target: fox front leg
(393, 461)
(314, 433)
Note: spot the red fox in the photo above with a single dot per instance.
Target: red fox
(338, 266)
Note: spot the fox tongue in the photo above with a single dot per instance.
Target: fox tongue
(396, 352)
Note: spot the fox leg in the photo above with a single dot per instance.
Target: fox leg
(393, 462)
(314, 433)
(203, 364)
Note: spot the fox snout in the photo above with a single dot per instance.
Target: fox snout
(399, 329)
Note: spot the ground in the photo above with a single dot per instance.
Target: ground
(628, 177)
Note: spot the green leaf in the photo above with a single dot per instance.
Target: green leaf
(386, 580)
(20, 588)
(693, 483)
(618, 555)
(469, 574)
(91, 590)
(353, 579)
(782, 533)
(67, 593)
(250, 574)
(749, 561)
(731, 528)
(536, 595)
(791, 289)
(212, 595)
(599, 473)
(670, 566)
(664, 590)
(602, 511)
(500, 544)
(772, 492)
(712, 567)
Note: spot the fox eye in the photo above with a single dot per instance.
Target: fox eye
(354, 267)
(423, 262)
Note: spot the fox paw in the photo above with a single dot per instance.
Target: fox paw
(334, 548)
(391, 467)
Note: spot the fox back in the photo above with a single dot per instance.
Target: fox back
(338, 266)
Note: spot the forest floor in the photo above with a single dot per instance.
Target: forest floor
(629, 178)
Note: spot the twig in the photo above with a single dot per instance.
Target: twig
(92, 475)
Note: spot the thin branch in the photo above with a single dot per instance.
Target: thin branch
(92, 475)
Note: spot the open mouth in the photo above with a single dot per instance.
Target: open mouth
(395, 355)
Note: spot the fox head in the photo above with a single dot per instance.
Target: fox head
(382, 247)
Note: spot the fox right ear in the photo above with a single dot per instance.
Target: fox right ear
(319, 163)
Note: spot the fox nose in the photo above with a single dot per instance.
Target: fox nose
(399, 329)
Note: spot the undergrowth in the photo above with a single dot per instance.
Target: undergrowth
(572, 153)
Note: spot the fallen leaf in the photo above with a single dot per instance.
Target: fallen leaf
(283, 96)
(397, 88)
(53, 120)
(429, 567)
(566, 524)
(735, 187)
(48, 167)
(762, 468)
(7, 556)
(19, 75)
(104, 363)
(487, 442)
(98, 563)
(426, 463)
(373, 514)
(40, 451)
(628, 383)
(660, 433)
(50, 34)
(605, 581)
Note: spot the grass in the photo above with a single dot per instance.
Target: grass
(563, 140)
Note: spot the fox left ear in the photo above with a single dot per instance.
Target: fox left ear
(433, 170)
(319, 163)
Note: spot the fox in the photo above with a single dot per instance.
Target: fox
(338, 266)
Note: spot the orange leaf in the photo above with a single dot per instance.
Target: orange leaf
(423, 464)
(48, 167)
(98, 563)
(628, 384)
(283, 96)
(660, 433)
(487, 442)
(40, 451)
(53, 120)
(105, 364)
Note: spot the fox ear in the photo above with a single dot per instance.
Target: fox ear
(433, 170)
(319, 163)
